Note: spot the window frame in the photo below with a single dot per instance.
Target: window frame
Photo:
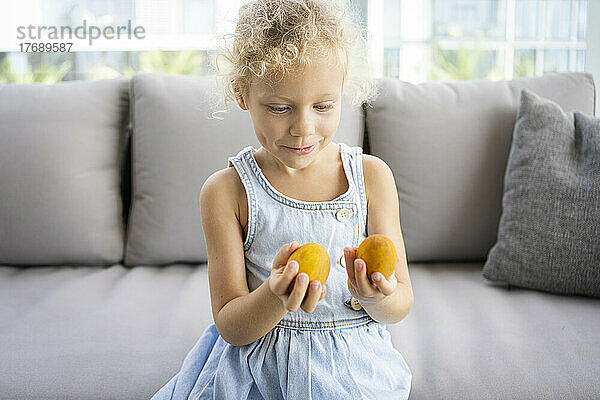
(506, 48)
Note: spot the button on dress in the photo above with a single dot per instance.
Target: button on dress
(336, 352)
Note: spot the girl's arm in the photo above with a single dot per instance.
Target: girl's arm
(247, 318)
(383, 216)
(241, 317)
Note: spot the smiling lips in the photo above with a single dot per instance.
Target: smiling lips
(300, 150)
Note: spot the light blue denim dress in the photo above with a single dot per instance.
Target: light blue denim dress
(335, 352)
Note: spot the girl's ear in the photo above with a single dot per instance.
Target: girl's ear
(238, 95)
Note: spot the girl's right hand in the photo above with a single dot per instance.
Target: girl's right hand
(287, 284)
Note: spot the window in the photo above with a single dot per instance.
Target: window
(492, 39)
(413, 40)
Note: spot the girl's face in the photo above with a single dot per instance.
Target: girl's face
(299, 111)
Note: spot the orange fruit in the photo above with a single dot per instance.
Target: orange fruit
(379, 253)
(313, 260)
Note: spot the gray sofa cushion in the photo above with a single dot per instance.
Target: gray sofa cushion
(175, 147)
(120, 333)
(447, 144)
(97, 333)
(467, 338)
(549, 233)
(60, 160)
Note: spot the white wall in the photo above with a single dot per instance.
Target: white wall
(592, 63)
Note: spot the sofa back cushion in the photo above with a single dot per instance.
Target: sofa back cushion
(60, 160)
(175, 146)
(447, 144)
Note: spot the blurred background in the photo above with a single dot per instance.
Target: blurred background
(412, 40)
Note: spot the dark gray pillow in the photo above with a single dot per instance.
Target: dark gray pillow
(549, 231)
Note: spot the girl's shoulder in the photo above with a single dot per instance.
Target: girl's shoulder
(226, 186)
(375, 172)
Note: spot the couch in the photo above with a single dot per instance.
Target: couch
(103, 275)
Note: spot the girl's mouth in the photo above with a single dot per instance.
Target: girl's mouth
(302, 151)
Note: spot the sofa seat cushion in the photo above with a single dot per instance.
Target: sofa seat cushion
(468, 338)
(122, 333)
(97, 333)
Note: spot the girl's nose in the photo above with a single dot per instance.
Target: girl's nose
(302, 126)
(304, 131)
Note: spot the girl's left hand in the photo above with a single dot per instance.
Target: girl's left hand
(365, 290)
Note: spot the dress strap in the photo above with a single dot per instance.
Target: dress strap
(244, 172)
(354, 154)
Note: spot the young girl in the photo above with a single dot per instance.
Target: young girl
(277, 336)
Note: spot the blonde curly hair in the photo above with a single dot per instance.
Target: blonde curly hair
(275, 37)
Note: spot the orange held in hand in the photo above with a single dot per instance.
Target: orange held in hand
(313, 260)
(379, 253)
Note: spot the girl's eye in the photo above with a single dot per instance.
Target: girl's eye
(325, 107)
(281, 110)
(278, 110)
